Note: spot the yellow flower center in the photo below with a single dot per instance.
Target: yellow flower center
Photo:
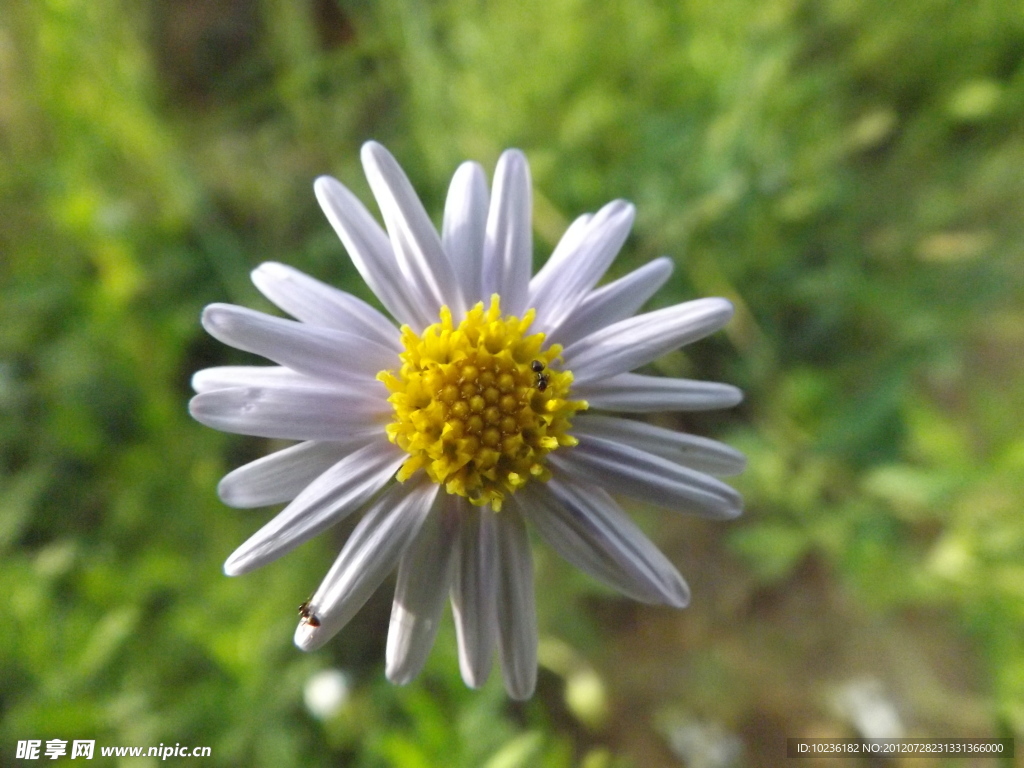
(478, 405)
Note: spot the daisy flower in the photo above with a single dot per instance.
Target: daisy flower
(471, 415)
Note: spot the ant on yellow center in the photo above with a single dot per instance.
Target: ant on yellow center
(477, 406)
(542, 378)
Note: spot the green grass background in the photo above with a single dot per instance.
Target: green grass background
(849, 172)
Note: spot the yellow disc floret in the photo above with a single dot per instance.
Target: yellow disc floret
(478, 405)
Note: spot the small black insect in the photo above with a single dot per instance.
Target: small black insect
(542, 378)
(308, 615)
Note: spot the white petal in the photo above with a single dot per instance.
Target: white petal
(234, 376)
(565, 248)
(641, 475)
(517, 616)
(334, 495)
(636, 393)
(368, 247)
(613, 302)
(474, 589)
(692, 451)
(508, 254)
(465, 228)
(311, 301)
(631, 343)
(282, 475)
(560, 285)
(335, 356)
(586, 527)
(424, 578)
(292, 413)
(370, 554)
(416, 244)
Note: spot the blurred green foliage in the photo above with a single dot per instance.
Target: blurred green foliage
(849, 173)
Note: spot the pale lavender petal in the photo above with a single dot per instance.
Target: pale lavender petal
(634, 342)
(465, 228)
(311, 301)
(368, 247)
(424, 578)
(561, 285)
(292, 413)
(565, 248)
(334, 495)
(636, 393)
(586, 527)
(473, 593)
(508, 254)
(282, 475)
(372, 551)
(613, 302)
(517, 616)
(631, 343)
(331, 355)
(644, 476)
(416, 244)
(234, 376)
(692, 451)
